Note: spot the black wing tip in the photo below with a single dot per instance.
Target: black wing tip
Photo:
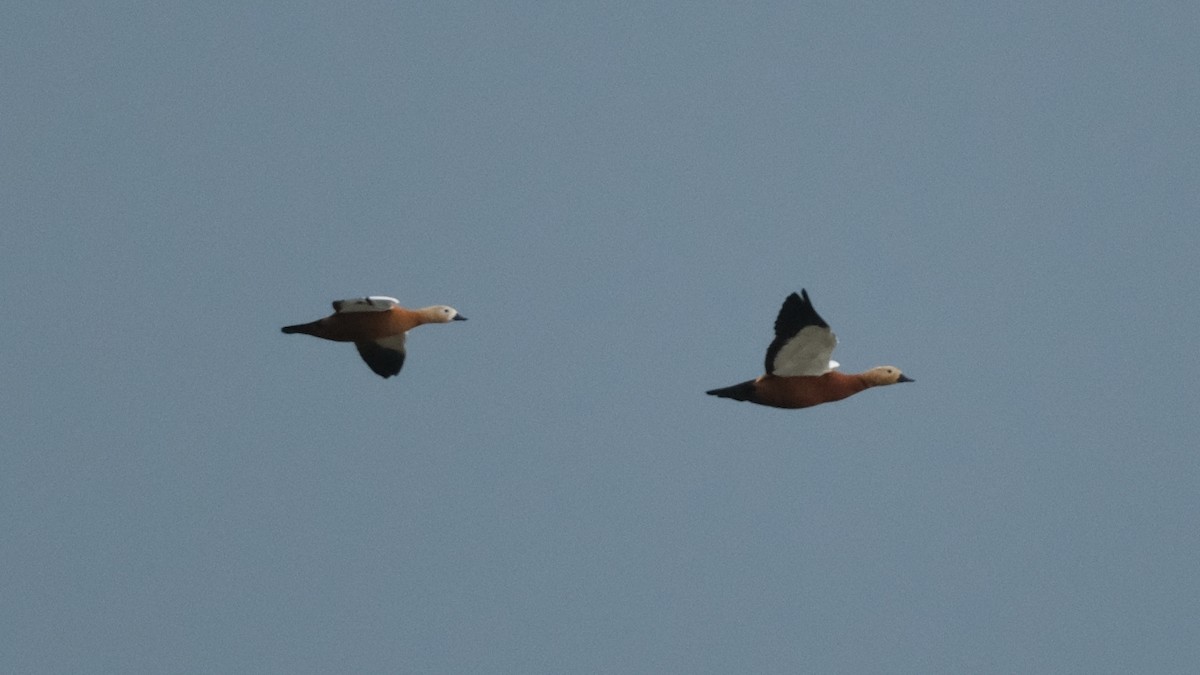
(383, 372)
(382, 361)
(797, 312)
(803, 298)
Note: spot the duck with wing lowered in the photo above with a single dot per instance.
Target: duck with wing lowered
(377, 325)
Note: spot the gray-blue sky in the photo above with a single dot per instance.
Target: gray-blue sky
(999, 199)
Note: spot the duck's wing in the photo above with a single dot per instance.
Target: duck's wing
(803, 342)
(371, 303)
(385, 357)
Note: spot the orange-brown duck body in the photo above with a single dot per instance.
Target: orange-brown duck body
(360, 326)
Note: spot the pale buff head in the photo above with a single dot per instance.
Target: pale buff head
(881, 375)
(440, 314)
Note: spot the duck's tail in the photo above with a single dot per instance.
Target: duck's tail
(738, 392)
(306, 328)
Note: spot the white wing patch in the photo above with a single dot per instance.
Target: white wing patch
(393, 342)
(372, 303)
(807, 353)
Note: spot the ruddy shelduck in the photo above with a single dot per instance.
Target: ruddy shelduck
(799, 371)
(377, 325)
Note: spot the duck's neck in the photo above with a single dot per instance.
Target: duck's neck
(850, 383)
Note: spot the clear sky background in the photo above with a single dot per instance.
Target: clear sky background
(999, 198)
